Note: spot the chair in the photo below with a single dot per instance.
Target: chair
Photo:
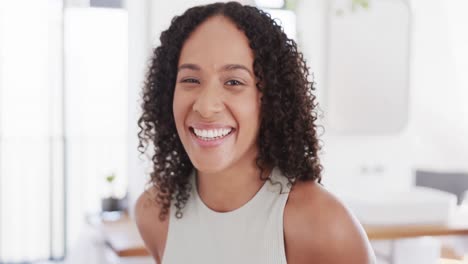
(452, 182)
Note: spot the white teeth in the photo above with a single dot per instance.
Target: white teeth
(212, 133)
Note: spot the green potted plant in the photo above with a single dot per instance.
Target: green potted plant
(110, 203)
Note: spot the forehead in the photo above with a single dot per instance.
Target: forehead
(215, 42)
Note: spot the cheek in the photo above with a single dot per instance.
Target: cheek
(248, 113)
(179, 108)
(252, 108)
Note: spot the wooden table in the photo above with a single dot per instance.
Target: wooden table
(393, 233)
(408, 231)
(121, 236)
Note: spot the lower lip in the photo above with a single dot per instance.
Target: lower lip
(211, 143)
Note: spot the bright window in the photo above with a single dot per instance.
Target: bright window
(63, 122)
(31, 134)
(96, 108)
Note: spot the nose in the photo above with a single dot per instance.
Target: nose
(209, 101)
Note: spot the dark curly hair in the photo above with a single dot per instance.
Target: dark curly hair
(287, 136)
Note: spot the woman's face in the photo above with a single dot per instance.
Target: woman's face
(216, 103)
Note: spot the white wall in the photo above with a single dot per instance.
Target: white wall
(434, 136)
(357, 161)
(439, 97)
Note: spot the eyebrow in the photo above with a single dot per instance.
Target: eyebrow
(227, 67)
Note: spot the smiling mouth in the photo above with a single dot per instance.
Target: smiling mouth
(211, 134)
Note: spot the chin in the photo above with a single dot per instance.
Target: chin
(209, 167)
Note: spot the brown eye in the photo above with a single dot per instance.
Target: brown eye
(190, 80)
(233, 83)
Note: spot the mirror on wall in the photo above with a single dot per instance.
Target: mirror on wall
(367, 66)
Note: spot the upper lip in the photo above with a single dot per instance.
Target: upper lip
(199, 125)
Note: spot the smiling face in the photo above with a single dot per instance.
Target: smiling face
(216, 102)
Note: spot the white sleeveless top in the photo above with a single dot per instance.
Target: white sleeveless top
(252, 233)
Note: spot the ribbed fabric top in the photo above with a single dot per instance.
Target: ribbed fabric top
(252, 233)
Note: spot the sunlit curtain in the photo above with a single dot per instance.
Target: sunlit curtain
(31, 131)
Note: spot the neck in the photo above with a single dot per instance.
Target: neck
(230, 189)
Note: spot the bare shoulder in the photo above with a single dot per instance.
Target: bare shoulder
(318, 228)
(152, 229)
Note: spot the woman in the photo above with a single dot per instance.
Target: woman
(230, 111)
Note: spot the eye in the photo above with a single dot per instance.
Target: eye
(233, 83)
(190, 80)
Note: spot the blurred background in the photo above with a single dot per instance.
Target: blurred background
(392, 87)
